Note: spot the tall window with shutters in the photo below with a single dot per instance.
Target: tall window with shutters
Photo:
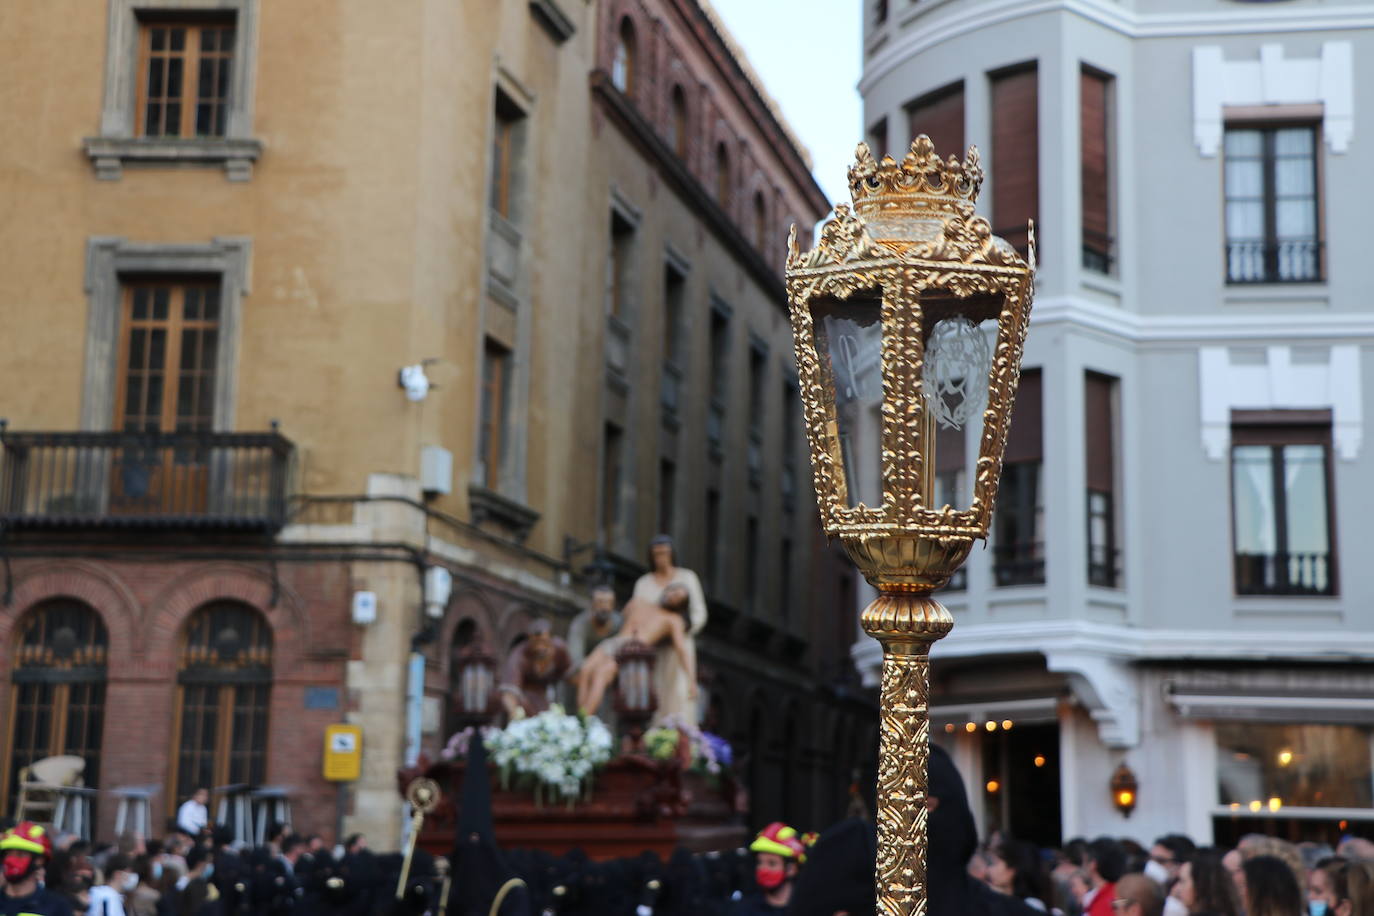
(1272, 214)
(507, 154)
(720, 379)
(1099, 424)
(612, 469)
(223, 696)
(57, 698)
(166, 384)
(674, 339)
(1281, 502)
(169, 344)
(677, 122)
(1015, 152)
(184, 78)
(940, 116)
(724, 180)
(1095, 157)
(493, 422)
(1018, 526)
(624, 58)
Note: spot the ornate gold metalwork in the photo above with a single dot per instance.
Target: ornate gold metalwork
(423, 794)
(912, 239)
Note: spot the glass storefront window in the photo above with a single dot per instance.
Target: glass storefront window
(1276, 766)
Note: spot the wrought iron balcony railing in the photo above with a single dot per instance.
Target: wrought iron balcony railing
(144, 480)
(1021, 563)
(1104, 566)
(1284, 574)
(1259, 261)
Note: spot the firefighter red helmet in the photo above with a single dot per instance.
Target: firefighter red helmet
(780, 840)
(26, 836)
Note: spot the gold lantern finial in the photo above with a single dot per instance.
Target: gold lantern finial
(920, 183)
(909, 318)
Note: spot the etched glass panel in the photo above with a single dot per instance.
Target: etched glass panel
(849, 342)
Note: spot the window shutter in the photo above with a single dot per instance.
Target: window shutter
(940, 116)
(1015, 154)
(1099, 431)
(1024, 441)
(1092, 115)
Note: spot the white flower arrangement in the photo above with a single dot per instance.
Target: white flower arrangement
(557, 751)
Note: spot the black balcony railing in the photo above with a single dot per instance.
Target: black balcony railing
(1260, 261)
(1019, 563)
(144, 480)
(1104, 566)
(1284, 574)
(1097, 251)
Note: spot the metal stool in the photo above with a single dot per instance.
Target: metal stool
(270, 803)
(134, 813)
(234, 810)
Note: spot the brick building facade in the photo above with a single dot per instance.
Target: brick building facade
(575, 224)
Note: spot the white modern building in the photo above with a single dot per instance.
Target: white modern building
(1180, 574)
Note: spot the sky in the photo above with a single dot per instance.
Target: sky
(808, 54)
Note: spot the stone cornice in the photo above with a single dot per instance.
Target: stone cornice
(674, 171)
(911, 40)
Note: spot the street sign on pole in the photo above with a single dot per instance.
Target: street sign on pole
(343, 753)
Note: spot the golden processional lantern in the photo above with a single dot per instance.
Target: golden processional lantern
(908, 319)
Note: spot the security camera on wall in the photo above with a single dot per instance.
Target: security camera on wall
(415, 382)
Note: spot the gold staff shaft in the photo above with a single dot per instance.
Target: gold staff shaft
(443, 895)
(906, 623)
(416, 821)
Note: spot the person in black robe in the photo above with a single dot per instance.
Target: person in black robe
(953, 838)
(838, 874)
(482, 876)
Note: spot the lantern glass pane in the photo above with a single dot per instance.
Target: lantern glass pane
(960, 336)
(849, 342)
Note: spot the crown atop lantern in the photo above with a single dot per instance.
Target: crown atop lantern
(917, 185)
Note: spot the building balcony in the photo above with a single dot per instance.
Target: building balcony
(233, 481)
(1260, 261)
(1021, 563)
(1284, 574)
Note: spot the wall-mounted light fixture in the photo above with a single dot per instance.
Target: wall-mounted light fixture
(1124, 787)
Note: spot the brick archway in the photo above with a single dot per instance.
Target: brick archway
(229, 582)
(89, 583)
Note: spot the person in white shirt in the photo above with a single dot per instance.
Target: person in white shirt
(108, 899)
(192, 816)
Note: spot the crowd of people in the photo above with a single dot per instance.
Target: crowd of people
(198, 871)
(201, 874)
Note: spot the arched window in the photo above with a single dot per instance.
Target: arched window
(223, 689)
(677, 124)
(623, 58)
(760, 221)
(57, 704)
(722, 174)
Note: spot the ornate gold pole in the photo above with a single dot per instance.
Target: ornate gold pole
(423, 794)
(906, 622)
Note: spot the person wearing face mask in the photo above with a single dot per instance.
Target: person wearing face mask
(1339, 887)
(1167, 855)
(24, 853)
(108, 899)
(145, 899)
(777, 853)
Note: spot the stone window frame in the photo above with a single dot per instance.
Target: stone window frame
(118, 143)
(108, 259)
